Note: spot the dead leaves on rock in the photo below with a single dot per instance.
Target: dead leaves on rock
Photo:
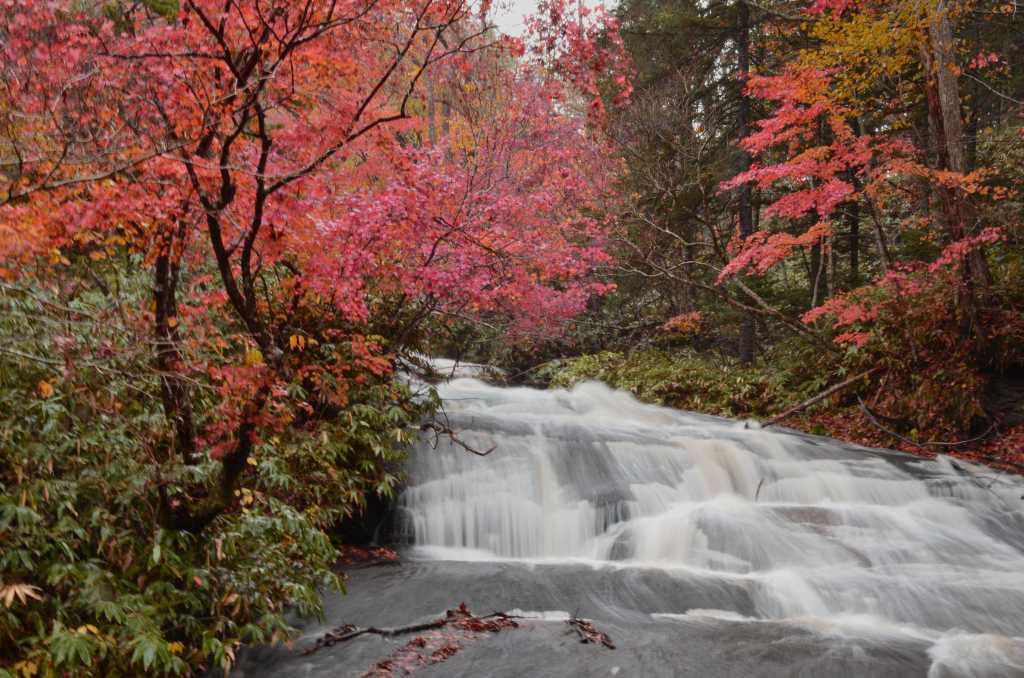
(350, 554)
(588, 633)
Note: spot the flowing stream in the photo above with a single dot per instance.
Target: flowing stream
(703, 546)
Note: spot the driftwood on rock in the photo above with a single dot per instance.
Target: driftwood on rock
(437, 640)
(349, 631)
(460, 618)
(821, 396)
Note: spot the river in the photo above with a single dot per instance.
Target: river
(700, 546)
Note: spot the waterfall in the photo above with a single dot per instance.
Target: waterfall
(767, 525)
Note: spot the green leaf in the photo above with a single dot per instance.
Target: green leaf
(165, 8)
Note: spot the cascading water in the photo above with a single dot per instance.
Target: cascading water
(764, 525)
(703, 547)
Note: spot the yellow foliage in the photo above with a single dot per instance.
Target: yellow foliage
(25, 669)
(874, 57)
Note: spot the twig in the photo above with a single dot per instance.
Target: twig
(34, 358)
(994, 90)
(821, 396)
(532, 369)
(439, 429)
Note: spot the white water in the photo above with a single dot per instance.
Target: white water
(825, 536)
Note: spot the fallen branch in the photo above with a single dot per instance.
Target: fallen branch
(348, 632)
(821, 396)
(460, 618)
(533, 369)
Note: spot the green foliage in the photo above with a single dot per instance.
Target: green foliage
(702, 381)
(165, 8)
(90, 585)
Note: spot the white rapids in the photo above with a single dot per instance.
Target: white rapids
(830, 537)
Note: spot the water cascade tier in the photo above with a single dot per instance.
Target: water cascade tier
(745, 524)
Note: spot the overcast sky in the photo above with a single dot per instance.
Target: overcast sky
(509, 15)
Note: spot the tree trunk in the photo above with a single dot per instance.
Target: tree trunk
(947, 88)
(946, 124)
(830, 271)
(883, 249)
(817, 274)
(174, 391)
(746, 221)
(431, 113)
(853, 221)
(941, 32)
(853, 227)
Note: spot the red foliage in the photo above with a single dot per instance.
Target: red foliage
(685, 324)
(905, 324)
(583, 45)
(588, 633)
(956, 253)
(277, 146)
(816, 175)
(1003, 449)
(918, 321)
(836, 7)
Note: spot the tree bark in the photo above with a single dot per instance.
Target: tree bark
(431, 112)
(853, 221)
(853, 227)
(946, 125)
(883, 249)
(941, 32)
(174, 392)
(817, 274)
(746, 223)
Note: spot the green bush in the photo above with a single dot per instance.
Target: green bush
(703, 381)
(89, 584)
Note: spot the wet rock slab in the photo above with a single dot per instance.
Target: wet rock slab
(614, 599)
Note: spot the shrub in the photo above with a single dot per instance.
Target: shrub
(933, 359)
(702, 381)
(89, 583)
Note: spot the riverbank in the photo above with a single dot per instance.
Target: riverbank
(712, 384)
